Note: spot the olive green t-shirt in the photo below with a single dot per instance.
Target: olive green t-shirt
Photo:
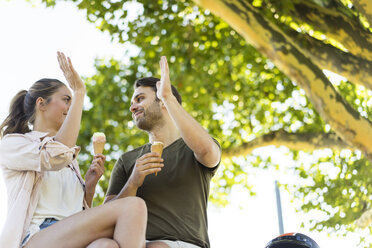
(176, 198)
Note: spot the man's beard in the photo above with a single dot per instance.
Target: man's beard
(150, 118)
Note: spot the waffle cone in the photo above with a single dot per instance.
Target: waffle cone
(98, 147)
(158, 148)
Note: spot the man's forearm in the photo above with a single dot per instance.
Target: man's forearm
(69, 130)
(194, 135)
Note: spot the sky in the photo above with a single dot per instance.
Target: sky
(30, 37)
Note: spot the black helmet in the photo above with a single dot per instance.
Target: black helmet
(292, 240)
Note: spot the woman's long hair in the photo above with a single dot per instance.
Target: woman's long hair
(22, 107)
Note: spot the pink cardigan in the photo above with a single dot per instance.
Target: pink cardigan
(23, 159)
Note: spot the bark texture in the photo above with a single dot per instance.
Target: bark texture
(364, 7)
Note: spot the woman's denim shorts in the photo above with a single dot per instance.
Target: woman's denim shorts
(47, 222)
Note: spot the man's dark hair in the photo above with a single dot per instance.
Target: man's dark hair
(292, 240)
(151, 82)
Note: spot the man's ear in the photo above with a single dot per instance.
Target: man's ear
(40, 103)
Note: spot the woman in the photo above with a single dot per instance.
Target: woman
(45, 190)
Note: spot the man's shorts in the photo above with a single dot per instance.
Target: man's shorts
(176, 244)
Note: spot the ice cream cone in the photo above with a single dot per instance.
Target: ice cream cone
(157, 147)
(99, 140)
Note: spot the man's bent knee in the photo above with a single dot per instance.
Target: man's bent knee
(134, 202)
(156, 245)
(104, 243)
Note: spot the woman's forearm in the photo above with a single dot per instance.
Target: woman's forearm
(69, 131)
(89, 195)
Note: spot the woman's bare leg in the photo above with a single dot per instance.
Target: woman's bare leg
(123, 220)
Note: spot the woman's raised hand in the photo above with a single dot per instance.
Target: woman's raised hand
(72, 77)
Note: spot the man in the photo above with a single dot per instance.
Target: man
(177, 196)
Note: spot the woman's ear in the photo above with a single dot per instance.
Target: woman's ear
(162, 105)
(40, 103)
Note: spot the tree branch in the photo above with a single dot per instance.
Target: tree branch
(364, 7)
(267, 38)
(365, 219)
(294, 141)
(336, 25)
(356, 70)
